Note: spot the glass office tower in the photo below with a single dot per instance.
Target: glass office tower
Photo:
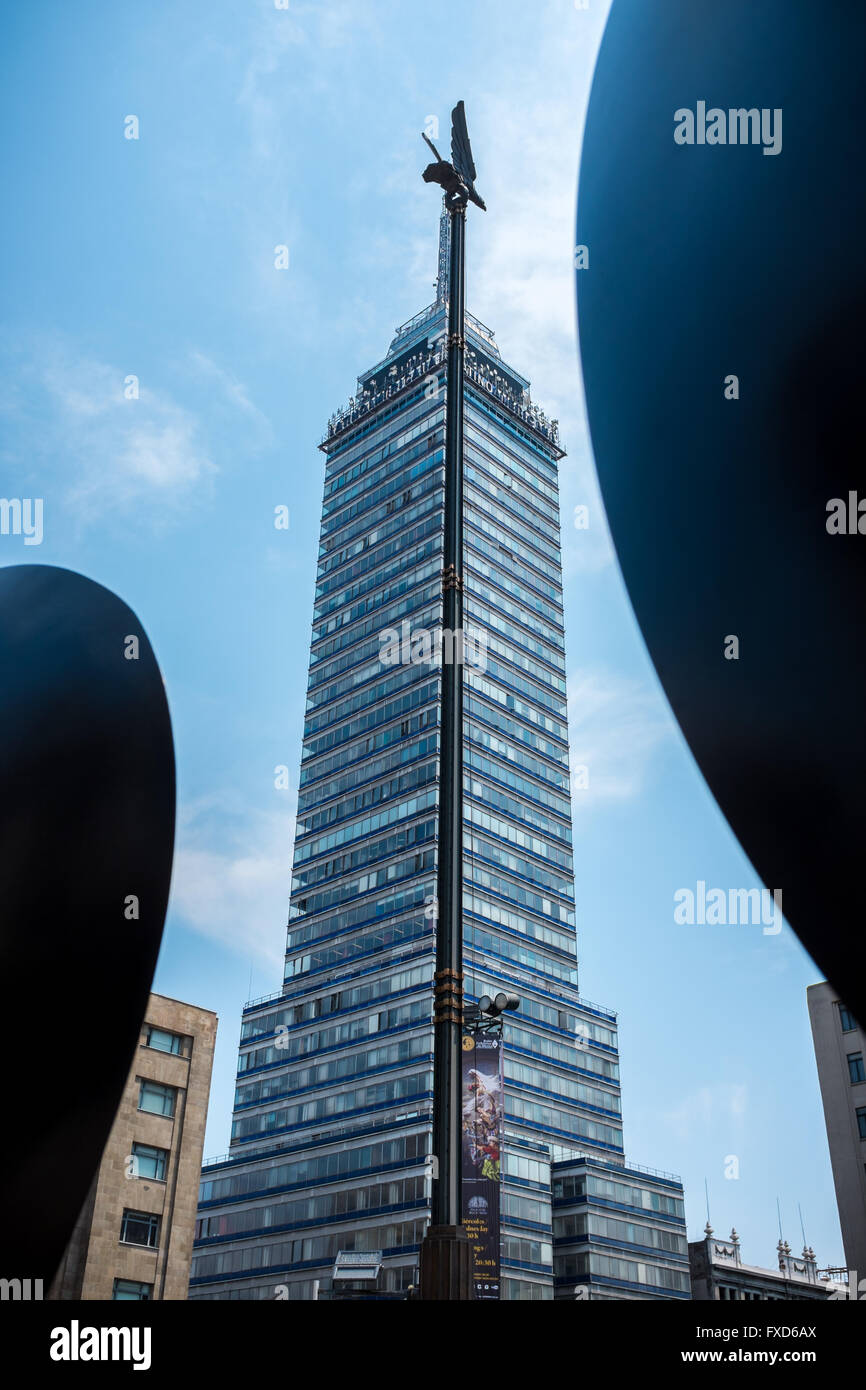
(332, 1115)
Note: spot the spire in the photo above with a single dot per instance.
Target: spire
(444, 256)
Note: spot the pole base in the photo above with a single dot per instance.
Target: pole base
(446, 1265)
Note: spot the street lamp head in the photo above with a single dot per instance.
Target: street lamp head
(497, 1004)
(506, 1001)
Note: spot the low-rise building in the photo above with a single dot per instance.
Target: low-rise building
(619, 1232)
(133, 1238)
(718, 1273)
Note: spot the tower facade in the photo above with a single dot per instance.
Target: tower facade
(332, 1117)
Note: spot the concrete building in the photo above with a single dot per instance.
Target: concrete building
(133, 1239)
(719, 1273)
(840, 1052)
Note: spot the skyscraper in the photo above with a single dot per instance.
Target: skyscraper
(332, 1110)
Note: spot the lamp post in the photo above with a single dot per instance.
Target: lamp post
(446, 1252)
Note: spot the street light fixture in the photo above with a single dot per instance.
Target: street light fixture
(494, 1005)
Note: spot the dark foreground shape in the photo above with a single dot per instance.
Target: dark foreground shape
(708, 261)
(87, 805)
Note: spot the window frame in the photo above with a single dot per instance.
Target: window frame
(149, 1218)
(151, 1150)
(180, 1038)
(144, 1081)
(136, 1283)
(856, 1064)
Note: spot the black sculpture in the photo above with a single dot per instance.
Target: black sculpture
(457, 178)
(86, 842)
(723, 368)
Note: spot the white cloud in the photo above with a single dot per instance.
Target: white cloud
(232, 876)
(123, 452)
(709, 1108)
(269, 85)
(233, 391)
(119, 452)
(616, 725)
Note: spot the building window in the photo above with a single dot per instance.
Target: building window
(860, 1112)
(156, 1099)
(856, 1070)
(524, 1291)
(148, 1162)
(140, 1228)
(163, 1041)
(847, 1019)
(131, 1291)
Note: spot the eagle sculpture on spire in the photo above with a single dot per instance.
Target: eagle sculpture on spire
(458, 177)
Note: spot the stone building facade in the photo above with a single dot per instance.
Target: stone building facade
(133, 1239)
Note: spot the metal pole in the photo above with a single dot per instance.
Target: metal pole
(446, 1255)
(448, 1009)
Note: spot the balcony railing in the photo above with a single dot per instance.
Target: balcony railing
(482, 374)
(264, 999)
(559, 1154)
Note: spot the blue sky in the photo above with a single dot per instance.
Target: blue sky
(154, 258)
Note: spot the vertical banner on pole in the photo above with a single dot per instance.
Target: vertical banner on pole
(483, 1108)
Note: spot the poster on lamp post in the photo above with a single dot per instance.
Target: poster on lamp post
(483, 1108)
